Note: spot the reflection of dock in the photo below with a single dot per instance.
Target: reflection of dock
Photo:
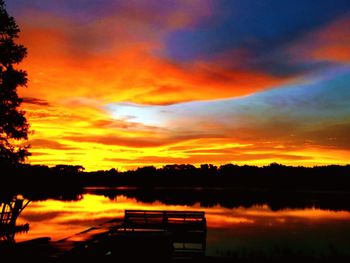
(187, 229)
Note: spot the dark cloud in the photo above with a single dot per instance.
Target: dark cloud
(121, 141)
(208, 158)
(36, 101)
(332, 135)
(257, 26)
(38, 154)
(154, 140)
(50, 144)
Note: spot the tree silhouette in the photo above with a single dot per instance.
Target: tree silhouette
(13, 124)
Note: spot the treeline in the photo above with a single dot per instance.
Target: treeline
(39, 182)
(274, 177)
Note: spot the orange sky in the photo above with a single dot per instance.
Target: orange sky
(105, 92)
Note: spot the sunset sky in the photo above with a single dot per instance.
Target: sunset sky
(152, 82)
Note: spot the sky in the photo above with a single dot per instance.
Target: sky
(132, 83)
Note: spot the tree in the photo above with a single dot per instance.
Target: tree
(69, 170)
(13, 123)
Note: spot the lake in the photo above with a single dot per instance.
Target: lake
(241, 230)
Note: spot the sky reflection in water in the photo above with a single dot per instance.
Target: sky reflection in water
(237, 230)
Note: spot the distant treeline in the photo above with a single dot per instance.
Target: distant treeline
(275, 177)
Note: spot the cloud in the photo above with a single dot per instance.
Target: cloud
(49, 144)
(329, 43)
(135, 75)
(153, 138)
(131, 65)
(35, 101)
(84, 30)
(305, 123)
(293, 57)
(333, 135)
(120, 141)
(106, 83)
(197, 159)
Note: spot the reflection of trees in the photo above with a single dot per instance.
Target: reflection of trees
(10, 208)
(233, 198)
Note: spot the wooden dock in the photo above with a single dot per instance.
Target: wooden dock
(162, 236)
(165, 236)
(187, 229)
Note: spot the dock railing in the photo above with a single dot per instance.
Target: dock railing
(187, 228)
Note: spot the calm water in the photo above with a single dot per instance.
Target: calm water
(255, 229)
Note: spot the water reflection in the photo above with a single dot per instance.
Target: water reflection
(233, 198)
(231, 231)
(10, 209)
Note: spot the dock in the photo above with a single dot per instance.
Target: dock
(187, 229)
(162, 236)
